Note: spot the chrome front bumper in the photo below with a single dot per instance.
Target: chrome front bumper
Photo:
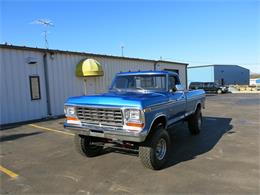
(106, 132)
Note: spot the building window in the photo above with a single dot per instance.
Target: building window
(35, 87)
(173, 70)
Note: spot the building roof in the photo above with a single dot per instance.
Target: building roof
(201, 66)
(84, 53)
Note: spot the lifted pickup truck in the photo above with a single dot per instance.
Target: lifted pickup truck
(136, 114)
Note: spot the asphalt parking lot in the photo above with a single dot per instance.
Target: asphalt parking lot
(224, 158)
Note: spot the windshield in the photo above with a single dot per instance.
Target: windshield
(140, 82)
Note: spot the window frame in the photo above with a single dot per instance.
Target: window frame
(176, 79)
(163, 78)
(39, 87)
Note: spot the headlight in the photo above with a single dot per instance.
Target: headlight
(134, 120)
(134, 115)
(131, 115)
(70, 111)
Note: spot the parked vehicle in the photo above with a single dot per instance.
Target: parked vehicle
(209, 87)
(135, 114)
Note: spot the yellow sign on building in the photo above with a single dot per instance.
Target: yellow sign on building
(89, 68)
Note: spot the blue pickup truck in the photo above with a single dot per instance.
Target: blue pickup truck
(135, 114)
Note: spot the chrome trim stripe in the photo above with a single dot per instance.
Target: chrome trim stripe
(170, 103)
(170, 122)
(94, 106)
(177, 101)
(161, 115)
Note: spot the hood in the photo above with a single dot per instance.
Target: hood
(120, 99)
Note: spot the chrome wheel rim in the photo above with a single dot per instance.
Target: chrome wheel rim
(160, 149)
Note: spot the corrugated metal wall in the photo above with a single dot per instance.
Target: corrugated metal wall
(62, 77)
(231, 74)
(16, 103)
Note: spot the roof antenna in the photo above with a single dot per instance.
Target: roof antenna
(45, 23)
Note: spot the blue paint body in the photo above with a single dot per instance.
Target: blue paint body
(173, 106)
(221, 74)
(120, 99)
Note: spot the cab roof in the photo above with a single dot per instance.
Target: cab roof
(150, 72)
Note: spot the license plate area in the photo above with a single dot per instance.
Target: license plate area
(96, 133)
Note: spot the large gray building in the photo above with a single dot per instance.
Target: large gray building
(222, 74)
(36, 82)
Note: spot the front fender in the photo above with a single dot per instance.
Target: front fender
(152, 117)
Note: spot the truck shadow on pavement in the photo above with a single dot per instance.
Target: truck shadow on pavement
(17, 136)
(186, 147)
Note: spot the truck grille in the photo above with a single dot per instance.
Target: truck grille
(100, 116)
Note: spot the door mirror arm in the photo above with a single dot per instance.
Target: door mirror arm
(179, 87)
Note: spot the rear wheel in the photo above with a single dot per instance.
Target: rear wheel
(86, 147)
(154, 153)
(195, 122)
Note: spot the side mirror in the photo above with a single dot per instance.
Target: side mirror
(179, 87)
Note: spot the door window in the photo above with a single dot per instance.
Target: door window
(173, 81)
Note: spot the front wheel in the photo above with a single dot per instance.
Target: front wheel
(154, 153)
(86, 147)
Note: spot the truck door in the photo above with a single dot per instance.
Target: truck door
(177, 106)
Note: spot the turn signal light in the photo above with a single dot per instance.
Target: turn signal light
(72, 119)
(135, 124)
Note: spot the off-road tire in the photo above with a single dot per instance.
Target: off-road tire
(147, 151)
(195, 122)
(83, 144)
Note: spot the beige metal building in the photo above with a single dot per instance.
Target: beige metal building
(35, 82)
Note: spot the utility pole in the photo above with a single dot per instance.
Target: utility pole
(122, 50)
